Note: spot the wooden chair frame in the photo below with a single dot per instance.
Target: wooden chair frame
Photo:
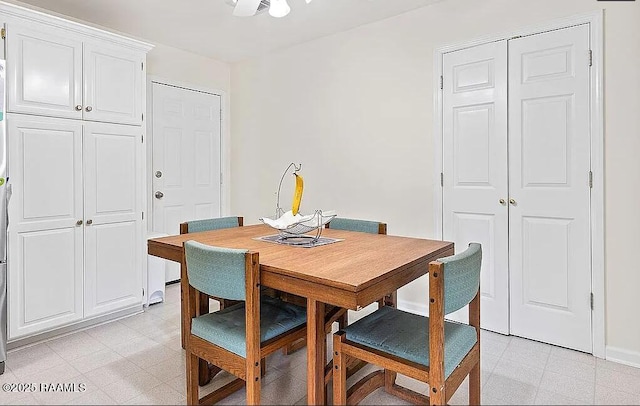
(441, 389)
(207, 371)
(248, 370)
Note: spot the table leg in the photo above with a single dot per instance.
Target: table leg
(316, 348)
(184, 311)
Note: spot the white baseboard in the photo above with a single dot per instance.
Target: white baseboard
(414, 307)
(622, 356)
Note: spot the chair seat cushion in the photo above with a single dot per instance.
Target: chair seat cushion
(226, 328)
(406, 335)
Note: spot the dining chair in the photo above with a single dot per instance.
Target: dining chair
(195, 226)
(237, 338)
(365, 226)
(429, 349)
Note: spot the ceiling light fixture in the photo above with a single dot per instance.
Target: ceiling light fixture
(279, 8)
(246, 8)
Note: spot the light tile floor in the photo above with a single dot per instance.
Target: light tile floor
(138, 360)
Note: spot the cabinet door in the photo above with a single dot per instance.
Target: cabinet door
(44, 72)
(45, 241)
(112, 84)
(114, 245)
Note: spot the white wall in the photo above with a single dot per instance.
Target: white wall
(356, 109)
(177, 65)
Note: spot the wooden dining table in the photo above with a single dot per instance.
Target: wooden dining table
(351, 273)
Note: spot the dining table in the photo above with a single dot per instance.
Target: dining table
(352, 272)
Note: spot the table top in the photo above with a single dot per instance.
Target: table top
(354, 264)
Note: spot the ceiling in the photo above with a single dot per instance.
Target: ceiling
(207, 27)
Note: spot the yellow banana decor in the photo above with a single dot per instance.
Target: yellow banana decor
(297, 194)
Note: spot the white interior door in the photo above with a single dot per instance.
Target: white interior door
(186, 159)
(475, 169)
(113, 217)
(549, 163)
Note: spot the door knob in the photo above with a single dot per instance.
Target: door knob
(512, 201)
(503, 202)
(79, 107)
(79, 223)
(159, 195)
(88, 108)
(158, 174)
(89, 222)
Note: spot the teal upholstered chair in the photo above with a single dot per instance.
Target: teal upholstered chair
(365, 226)
(196, 226)
(238, 337)
(429, 349)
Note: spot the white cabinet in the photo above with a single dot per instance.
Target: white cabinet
(112, 84)
(44, 71)
(45, 242)
(113, 223)
(52, 72)
(76, 233)
(75, 98)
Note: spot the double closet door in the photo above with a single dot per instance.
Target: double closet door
(516, 178)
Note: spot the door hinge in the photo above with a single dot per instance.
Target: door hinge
(143, 215)
(441, 179)
(441, 82)
(142, 65)
(590, 58)
(590, 180)
(142, 292)
(142, 115)
(591, 300)
(3, 33)
(142, 139)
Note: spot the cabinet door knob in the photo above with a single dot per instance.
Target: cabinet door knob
(89, 222)
(502, 202)
(79, 223)
(159, 195)
(79, 107)
(512, 201)
(88, 108)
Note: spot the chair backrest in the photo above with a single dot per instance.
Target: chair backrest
(210, 224)
(461, 277)
(218, 272)
(365, 226)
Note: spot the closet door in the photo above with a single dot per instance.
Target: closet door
(475, 169)
(549, 163)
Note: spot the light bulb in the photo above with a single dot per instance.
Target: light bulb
(279, 8)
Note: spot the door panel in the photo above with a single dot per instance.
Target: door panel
(475, 169)
(113, 269)
(549, 163)
(45, 280)
(186, 150)
(112, 84)
(44, 72)
(112, 168)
